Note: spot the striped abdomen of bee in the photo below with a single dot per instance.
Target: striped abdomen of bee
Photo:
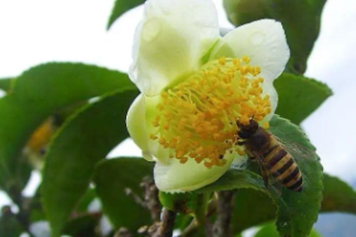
(263, 147)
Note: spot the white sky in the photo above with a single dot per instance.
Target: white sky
(38, 31)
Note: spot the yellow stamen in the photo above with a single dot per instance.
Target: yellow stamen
(240, 152)
(266, 125)
(246, 59)
(153, 137)
(197, 117)
(222, 61)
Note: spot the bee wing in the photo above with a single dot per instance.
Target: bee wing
(263, 168)
(297, 150)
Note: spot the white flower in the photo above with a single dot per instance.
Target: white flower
(195, 85)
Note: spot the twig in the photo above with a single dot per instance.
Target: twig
(150, 196)
(222, 226)
(209, 229)
(163, 228)
(137, 199)
(23, 203)
(123, 232)
(168, 220)
(190, 229)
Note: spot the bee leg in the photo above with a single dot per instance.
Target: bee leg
(264, 171)
(241, 143)
(252, 159)
(265, 177)
(251, 156)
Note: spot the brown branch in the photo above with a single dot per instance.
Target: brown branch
(123, 232)
(136, 198)
(168, 220)
(151, 197)
(222, 225)
(163, 228)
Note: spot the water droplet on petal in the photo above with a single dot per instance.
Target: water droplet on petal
(257, 38)
(151, 29)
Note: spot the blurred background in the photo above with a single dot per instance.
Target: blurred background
(38, 31)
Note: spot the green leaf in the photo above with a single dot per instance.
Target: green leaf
(6, 83)
(179, 202)
(182, 221)
(84, 139)
(20, 178)
(86, 200)
(300, 19)
(269, 230)
(234, 179)
(122, 6)
(9, 224)
(338, 196)
(111, 179)
(36, 207)
(296, 212)
(85, 225)
(187, 203)
(301, 208)
(39, 93)
(252, 208)
(314, 233)
(299, 96)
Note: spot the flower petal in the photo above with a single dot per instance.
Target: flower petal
(268, 89)
(264, 41)
(177, 177)
(136, 125)
(170, 41)
(159, 153)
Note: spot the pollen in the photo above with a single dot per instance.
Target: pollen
(266, 125)
(197, 117)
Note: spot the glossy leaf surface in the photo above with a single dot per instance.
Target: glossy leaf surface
(120, 7)
(112, 179)
(299, 96)
(86, 138)
(40, 92)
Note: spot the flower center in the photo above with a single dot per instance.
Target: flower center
(197, 117)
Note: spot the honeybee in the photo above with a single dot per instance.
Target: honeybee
(263, 147)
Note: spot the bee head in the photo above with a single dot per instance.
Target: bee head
(247, 130)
